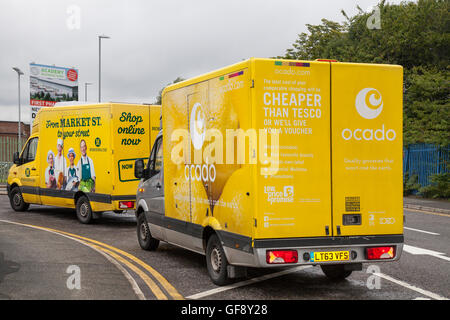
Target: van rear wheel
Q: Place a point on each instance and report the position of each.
(335, 271)
(16, 200)
(216, 261)
(84, 210)
(146, 241)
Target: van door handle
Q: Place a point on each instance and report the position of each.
(34, 169)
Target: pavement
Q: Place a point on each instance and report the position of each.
(431, 205)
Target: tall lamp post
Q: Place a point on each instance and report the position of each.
(100, 65)
(85, 89)
(19, 144)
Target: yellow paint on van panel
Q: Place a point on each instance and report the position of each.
(367, 147)
(294, 100)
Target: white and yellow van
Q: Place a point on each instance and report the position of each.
(273, 162)
(82, 157)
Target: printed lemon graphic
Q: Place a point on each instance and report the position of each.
(221, 115)
(213, 111)
(235, 201)
(188, 197)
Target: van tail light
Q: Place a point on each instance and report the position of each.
(281, 256)
(126, 204)
(380, 253)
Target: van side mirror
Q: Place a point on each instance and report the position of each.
(16, 158)
(139, 169)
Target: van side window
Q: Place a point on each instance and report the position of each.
(32, 149)
(156, 158)
(29, 152)
(159, 157)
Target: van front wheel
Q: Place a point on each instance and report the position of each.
(335, 271)
(16, 200)
(216, 261)
(84, 210)
(146, 241)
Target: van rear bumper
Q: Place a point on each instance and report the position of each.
(356, 245)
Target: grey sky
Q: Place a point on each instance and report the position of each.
(152, 42)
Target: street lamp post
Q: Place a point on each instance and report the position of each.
(19, 73)
(85, 90)
(100, 66)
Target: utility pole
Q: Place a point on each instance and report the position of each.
(19, 143)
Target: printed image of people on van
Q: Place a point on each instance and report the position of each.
(50, 178)
(60, 165)
(86, 169)
(72, 172)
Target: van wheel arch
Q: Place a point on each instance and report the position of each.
(207, 233)
(139, 211)
(77, 196)
(12, 186)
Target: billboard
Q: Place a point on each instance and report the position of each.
(51, 84)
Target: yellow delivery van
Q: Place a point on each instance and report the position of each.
(82, 157)
(273, 162)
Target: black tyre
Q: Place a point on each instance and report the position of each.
(16, 200)
(335, 271)
(84, 210)
(216, 261)
(145, 239)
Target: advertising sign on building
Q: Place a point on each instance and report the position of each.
(51, 84)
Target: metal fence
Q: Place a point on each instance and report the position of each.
(4, 169)
(8, 145)
(425, 160)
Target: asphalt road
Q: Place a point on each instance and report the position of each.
(45, 253)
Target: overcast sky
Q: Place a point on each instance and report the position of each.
(152, 42)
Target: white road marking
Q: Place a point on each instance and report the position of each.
(423, 231)
(411, 287)
(246, 282)
(420, 251)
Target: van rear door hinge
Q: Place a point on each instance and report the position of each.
(256, 224)
(253, 84)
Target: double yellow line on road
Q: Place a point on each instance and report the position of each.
(122, 256)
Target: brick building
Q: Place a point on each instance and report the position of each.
(8, 139)
(10, 129)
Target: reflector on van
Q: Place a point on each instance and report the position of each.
(378, 253)
(126, 204)
(281, 256)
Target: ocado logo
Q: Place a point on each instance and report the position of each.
(369, 104)
(369, 134)
(197, 126)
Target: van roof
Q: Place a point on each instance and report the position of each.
(239, 65)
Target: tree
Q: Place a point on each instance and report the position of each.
(414, 35)
(159, 96)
